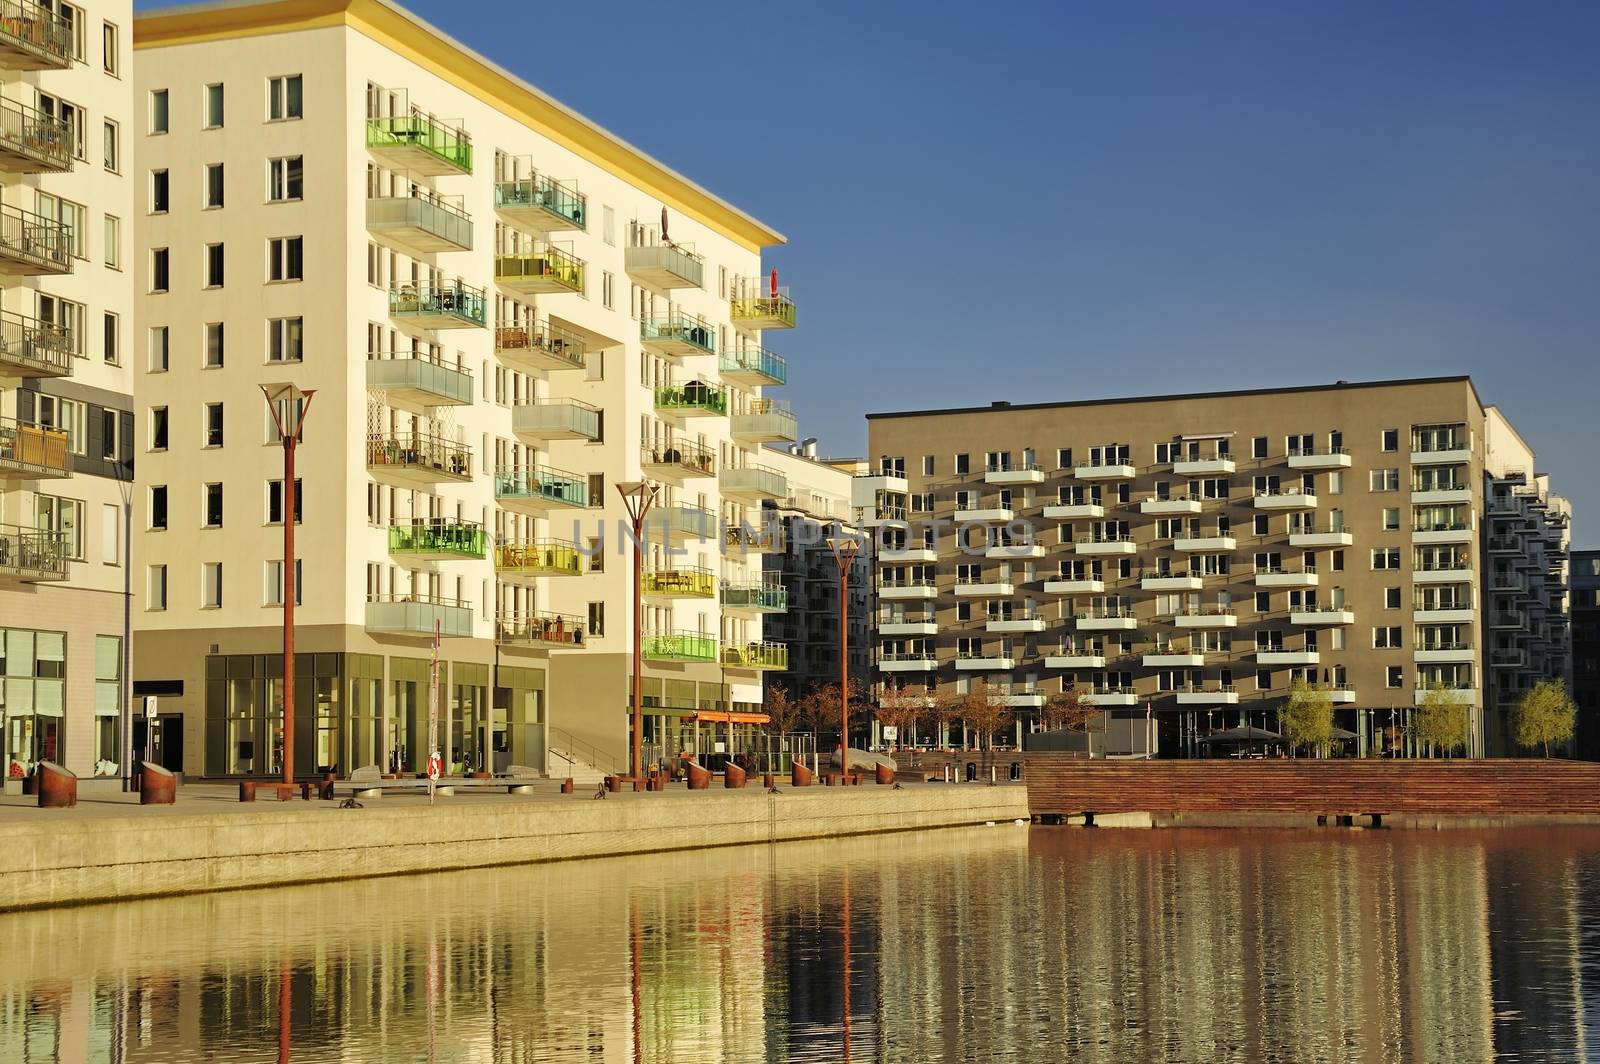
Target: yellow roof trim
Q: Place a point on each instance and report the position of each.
(402, 32)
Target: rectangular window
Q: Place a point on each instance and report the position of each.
(63, 516)
(214, 260)
(1387, 558)
(111, 147)
(1391, 598)
(156, 588)
(284, 98)
(607, 286)
(285, 259)
(1391, 439)
(158, 110)
(160, 348)
(213, 186)
(1384, 479)
(158, 428)
(71, 319)
(274, 583)
(1387, 638)
(213, 425)
(214, 351)
(108, 434)
(963, 465)
(285, 179)
(211, 501)
(1391, 518)
(111, 338)
(597, 617)
(158, 507)
(1394, 676)
(213, 116)
(285, 339)
(159, 189)
(1258, 447)
(211, 585)
(111, 55)
(275, 502)
(113, 241)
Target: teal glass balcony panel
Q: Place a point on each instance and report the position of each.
(418, 615)
(665, 266)
(33, 348)
(694, 399)
(542, 204)
(448, 306)
(680, 646)
(418, 379)
(33, 142)
(541, 488)
(679, 334)
(754, 366)
(755, 598)
(32, 245)
(33, 38)
(556, 419)
(421, 222)
(420, 144)
(437, 540)
(548, 270)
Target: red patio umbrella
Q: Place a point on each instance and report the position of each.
(774, 282)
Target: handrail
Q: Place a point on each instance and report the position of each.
(570, 744)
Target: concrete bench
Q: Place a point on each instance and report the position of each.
(449, 785)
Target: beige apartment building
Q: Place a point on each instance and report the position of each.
(66, 320)
(1182, 559)
(506, 312)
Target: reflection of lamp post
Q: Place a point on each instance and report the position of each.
(637, 498)
(288, 406)
(844, 554)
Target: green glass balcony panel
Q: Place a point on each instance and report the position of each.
(680, 646)
(540, 628)
(28, 554)
(421, 222)
(665, 266)
(557, 204)
(692, 398)
(419, 378)
(541, 484)
(679, 334)
(681, 582)
(33, 142)
(763, 312)
(764, 656)
(33, 348)
(556, 419)
(32, 244)
(32, 451)
(437, 540)
(33, 37)
(448, 306)
(755, 366)
(764, 598)
(546, 270)
(421, 144)
(540, 558)
(418, 614)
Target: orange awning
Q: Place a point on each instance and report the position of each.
(711, 716)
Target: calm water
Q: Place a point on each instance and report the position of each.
(998, 944)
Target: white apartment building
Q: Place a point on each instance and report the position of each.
(66, 317)
(505, 311)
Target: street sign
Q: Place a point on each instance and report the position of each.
(890, 733)
(150, 707)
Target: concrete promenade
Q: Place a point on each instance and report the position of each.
(110, 848)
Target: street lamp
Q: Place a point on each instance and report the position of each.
(288, 405)
(844, 554)
(637, 498)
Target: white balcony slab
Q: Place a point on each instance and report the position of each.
(995, 664)
(1074, 511)
(1288, 657)
(1019, 624)
(1087, 623)
(988, 589)
(1002, 552)
(1441, 576)
(1204, 467)
(1107, 546)
(1341, 695)
(907, 664)
(1205, 543)
(1322, 617)
(1445, 616)
(1266, 579)
(1013, 476)
(910, 554)
(1208, 698)
(1321, 539)
(1111, 698)
(1075, 661)
(1444, 535)
(1455, 456)
(1441, 497)
(1171, 583)
(1170, 506)
(1023, 701)
(1335, 460)
(1074, 587)
(893, 628)
(1453, 655)
(1465, 695)
(1174, 660)
(1119, 471)
(908, 591)
(1298, 500)
(988, 516)
(1206, 620)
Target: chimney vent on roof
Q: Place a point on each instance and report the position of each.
(1341, 382)
(999, 404)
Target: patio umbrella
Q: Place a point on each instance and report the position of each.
(664, 225)
(1243, 734)
(1340, 734)
(774, 282)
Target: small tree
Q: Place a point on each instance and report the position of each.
(1069, 709)
(1308, 716)
(1545, 715)
(946, 711)
(985, 714)
(783, 710)
(1440, 719)
(900, 708)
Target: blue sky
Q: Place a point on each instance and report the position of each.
(1100, 199)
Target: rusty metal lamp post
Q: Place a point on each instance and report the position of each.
(844, 550)
(288, 406)
(637, 498)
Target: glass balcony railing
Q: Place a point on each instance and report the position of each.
(423, 221)
(764, 597)
(763, 656)
(33, 244)
(754, 365)
(754, 480)
(32, 449)
(433, 457)
(766, 420)
(562, 204)
(539, 628)
(35, 37)
(437, 539)
(547, 557)
(680, 646)
(556, 419)
(32, 554)
(33, 142)
(548, 269)
(419, 614)
(665, 266)
(424, 144)
(694, 397)
(444, 306)
(33, 348)
(541, 483)
(681, 457)
(683, 582)
(542, 345)
(763, 311)
(679, 334)
(425, 376)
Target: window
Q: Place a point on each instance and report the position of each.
(108, 434)
(284, 179)
(285, 260)
(1258, 447)
(1386, 558)
(71, 116)
(211, 506)
(927, 465)
(1391, 518)
(160, 348)
(1336, 561)
(113, 241)
(285, 339)
(1384, 480)
(158, 507)
(211, 585)
(213, 186)
(288, 413)
(213, 107)
(158, 428)
(214, 259)
(1386, 638)
(155, 597)
(158, 192)
(1262, 525)
(111, 146)
(1391, 598)
(607, 289)
(74, 219)
(1394, 676)
(214, 345)
(1391, 439)
(275, 502)
(274, 583)
(608, 231)
(111, 341)
(284, 98)
(160, 270)
(963, 465)
(69, 317)
(62, 516)
(158, 110)
(110, 52)
(213, 425)
(1263, 679)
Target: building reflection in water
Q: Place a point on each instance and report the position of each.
(999, 944)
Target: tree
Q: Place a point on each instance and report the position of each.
(783, 710)
(1308, 716)
(1069, 709)
(820, 707)
(1440, 719)
(1545, 715)
(946, 711)
(985, 714)
(900, 708)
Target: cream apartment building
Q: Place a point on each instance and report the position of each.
(1187, 557)
(505, 312)
(66, 320)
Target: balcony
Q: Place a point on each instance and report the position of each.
(910, 589)
(904, 627)
(1105, 471)
(1333, 458)
(1447, 452)
(28, 555)
(1106, 619)
(676, 461)
(417, 459)
(33, 348)
(421, 223)
(1508, 582)
(678, 403)
(555, 419)
(876, 516)
(1442, 575)
(756, 657)
(893, 556)
(418, 614)
(665, 266)
(1285, 578)
(1440, 495)
(32, 452)
(437, 541)
(753, 483)
(1028, 473)
(1310, 536)
(522, 563)
(418, 380)
(1014, 551)
(754, 365)
(1287, 657)
(1019, 625)
(979, 661)
(1074, 511)
(547, 270)
(1206, 617)
(449, 306)
(681, 582)
(1453, 532)
(31, 141)
(1508, 659)
(1074, 587)
(775, 310)
(983, 515)
(1341, 693)
(541, 204)
(680, 646)
(1447, 613)
(33, 38)
(32, 245)
(1513, 619)
(540, 345)
(1224, 695)
(1184, 582)
(1112, 696)
(676, 525)
(1106, 545)
(915, 661)
(1285, 500)
(540, 489)
(1194, 466)
(1020, 699)
(1205, 543)
(1172, 658)
(1073, 660)
(678, 334)
(540, 630)
(740, 539)
(766, 421)
(1442, 653)
(419, 144)
(1465, 695)
(1184, 505)
(1321, 616)
(755, 598)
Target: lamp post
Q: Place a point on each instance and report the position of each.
(844, 555)
(288, 406)
(637, 498)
